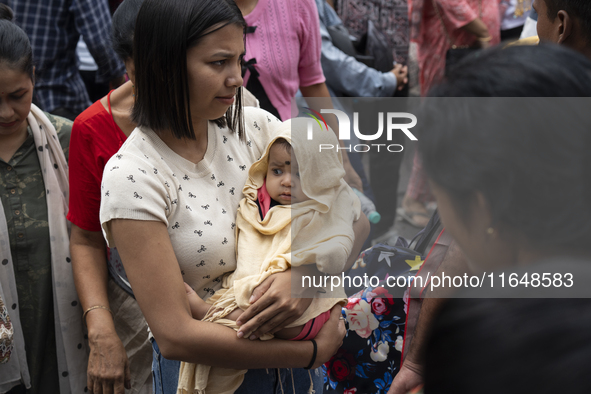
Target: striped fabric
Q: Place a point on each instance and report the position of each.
(53, 27)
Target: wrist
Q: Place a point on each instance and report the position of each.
(413, 366)
(486, 38)
(99, 322)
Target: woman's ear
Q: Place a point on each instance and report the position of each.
(33, 76)
(130, 68)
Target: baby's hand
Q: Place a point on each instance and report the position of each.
(198, 307)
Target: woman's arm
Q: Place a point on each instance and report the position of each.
(272, 306)
(108, 366)
(154, 274)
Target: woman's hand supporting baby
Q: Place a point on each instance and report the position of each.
(272, 307)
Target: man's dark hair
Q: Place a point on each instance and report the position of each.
(164, 31)
(579, 9)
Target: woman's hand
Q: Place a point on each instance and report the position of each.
(401, 74)
(272, 307)
(198, 307)
(330, 337)
(108, 366)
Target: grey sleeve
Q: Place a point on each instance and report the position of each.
(345, 75)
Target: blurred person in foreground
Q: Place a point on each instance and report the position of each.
(532, 204)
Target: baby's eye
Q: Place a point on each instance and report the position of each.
(277, 171)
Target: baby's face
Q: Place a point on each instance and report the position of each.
(281, 185)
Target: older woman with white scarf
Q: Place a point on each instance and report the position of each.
(47, 351)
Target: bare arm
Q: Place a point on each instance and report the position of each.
(410, 375)
(108, 366)
(154, 273)
(479, 29)
(361, 228)
(322, 100)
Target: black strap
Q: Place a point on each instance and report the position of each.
(313, 355)
(254, 85)
(427, 233)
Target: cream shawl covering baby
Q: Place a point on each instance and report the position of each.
(317, 231)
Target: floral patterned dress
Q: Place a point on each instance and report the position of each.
(371, 353)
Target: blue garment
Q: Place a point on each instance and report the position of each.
(165, 375)
(344, 74)
(54, 28)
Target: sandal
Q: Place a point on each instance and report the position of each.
(415, 218)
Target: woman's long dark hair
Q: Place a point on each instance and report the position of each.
(164, 31)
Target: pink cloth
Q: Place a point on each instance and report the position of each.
(264, 199)
(432, 41)
(312, 328)
(286, 45)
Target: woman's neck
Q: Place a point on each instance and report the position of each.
(10, 143)
(122, 102)
(246, 6)
(191, 150)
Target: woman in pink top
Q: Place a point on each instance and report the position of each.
(283, 55)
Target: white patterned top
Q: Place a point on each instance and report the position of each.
(146, 180)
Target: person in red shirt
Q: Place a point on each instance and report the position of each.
(97, 134)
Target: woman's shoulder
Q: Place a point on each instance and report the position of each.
(260, 126)
(63, 128)
(95, 120)
(136, 148)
